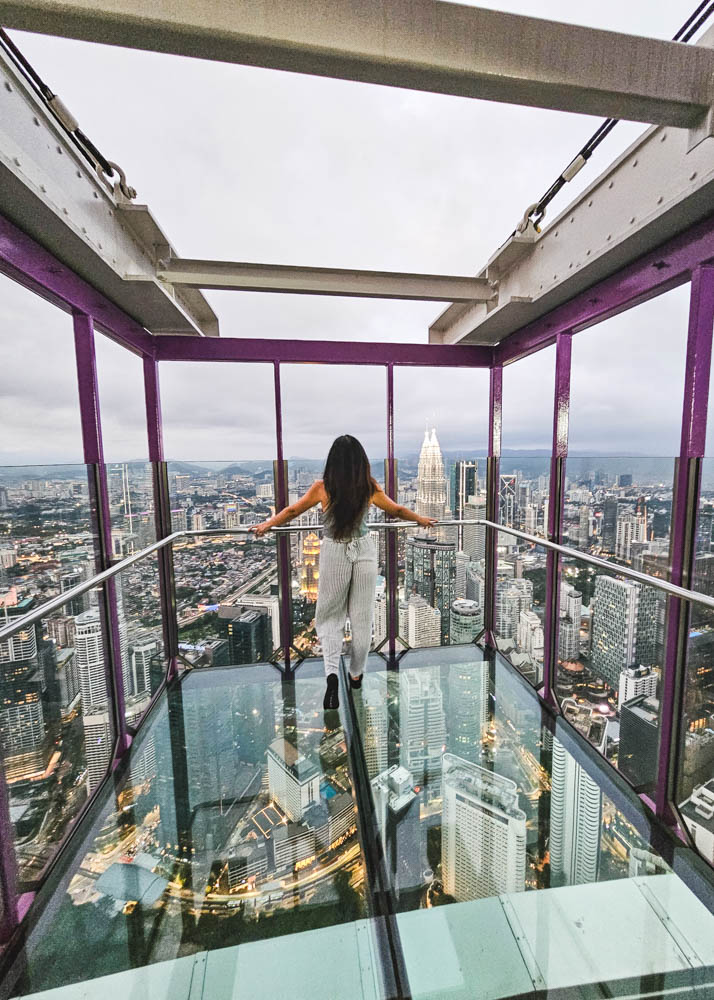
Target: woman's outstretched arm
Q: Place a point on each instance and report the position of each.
(308, 500)
(385, 503)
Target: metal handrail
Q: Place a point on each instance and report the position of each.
(612, 568)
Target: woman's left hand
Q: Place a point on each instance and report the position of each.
(261, 529)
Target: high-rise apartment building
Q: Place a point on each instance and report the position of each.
(372, 711)
(419, 622)
(630, 528)
(575, 821)
(474, 537)
(512, 597)
(624, 627)
(636, 681)
(468, 708)
(483, 832)
(396, 807)
(293, 780)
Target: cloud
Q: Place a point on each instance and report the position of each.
(247, 164)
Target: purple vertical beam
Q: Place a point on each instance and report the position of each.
(94, 456)
(495, 401)
(162, 511)
(556, 496)
(683, 540)
(391, 540)
(9, 917)
(283, 544)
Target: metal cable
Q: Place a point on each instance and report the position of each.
(65, 118)
(535, 213)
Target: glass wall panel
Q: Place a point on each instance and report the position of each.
(695, 784)
(441, 443)
(220, 466)
(627, 384)
(626, 390)
(47, 545)
(523, 497)
(321, 402)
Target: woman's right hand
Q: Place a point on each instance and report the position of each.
(426, 522)
(261, 529)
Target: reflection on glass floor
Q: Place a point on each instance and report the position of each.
(227, 860)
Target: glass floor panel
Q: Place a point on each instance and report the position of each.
(439, 837)
(233, 823)
(514, 862)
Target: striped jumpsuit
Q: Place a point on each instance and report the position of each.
(347, 583)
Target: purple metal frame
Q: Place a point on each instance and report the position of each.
(556, 498)
(685, 510)
(391, 540)
(94, 459)
(495, 423)
(283, 542)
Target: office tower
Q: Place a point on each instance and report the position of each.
(93, 687)
(584, 527)
(639, 740)
(512, 597)
(373, 715)
(67, 680)
(474, 538)
(198, 522)
(464, 484)
(609, 524)
(231, 516)
(530, 637)
(249, 635)
(571, 604)
(507, 501)
(293, 780)
(179, 519)
(624, 627)
(146, 664)
(431, 481)
(475, 583)
(630, 528)
(462, 565)
(624, 479)
(636, 681)
(466, 621)
(61, 630)
(698, 813)
(575, 821)
(310, 571)
(396, 807)
(72, 576)
(530, 519)
(422, 727)
(4, 500)
(483, 832)
(431, 573)
(468, 708)
(28, 696)
(379, 624)
(419, 623)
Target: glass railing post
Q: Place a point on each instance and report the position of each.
(280, 477)
(556, 499)
(162, 513)
(685, 507)
(99, 504)
(492, 471)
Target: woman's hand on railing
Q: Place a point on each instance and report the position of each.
(261, 529)
(426, 522)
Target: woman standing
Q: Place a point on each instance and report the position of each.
(348, 558)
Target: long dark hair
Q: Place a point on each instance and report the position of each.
(349, 486)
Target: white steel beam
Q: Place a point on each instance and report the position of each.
(324, 281)
(659, 186)
(50, 191)
(419, 44)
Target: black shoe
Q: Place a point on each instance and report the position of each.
(331, 699)
(354, 684)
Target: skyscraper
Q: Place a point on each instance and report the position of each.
(431, 481)
(575, 821)
(464, 484)
(372, 712)
(419, 623)
(609, 524)
(508, 501)
(468, 708)
(512, 597)
(466, 621)
(249, 635)
(422, 726)
(293, 780)
(636, 681)
(474, 537)
(310, 571)
(396, 807)
(431, 573)
(483, 832)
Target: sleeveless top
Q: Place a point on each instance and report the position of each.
(359, 532)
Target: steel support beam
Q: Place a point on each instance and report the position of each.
(657, 189)
(495, 407)
(324, 281)
(419, 44)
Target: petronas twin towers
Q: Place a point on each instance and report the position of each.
(431, 481)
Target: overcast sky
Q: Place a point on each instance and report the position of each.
(247, 164)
